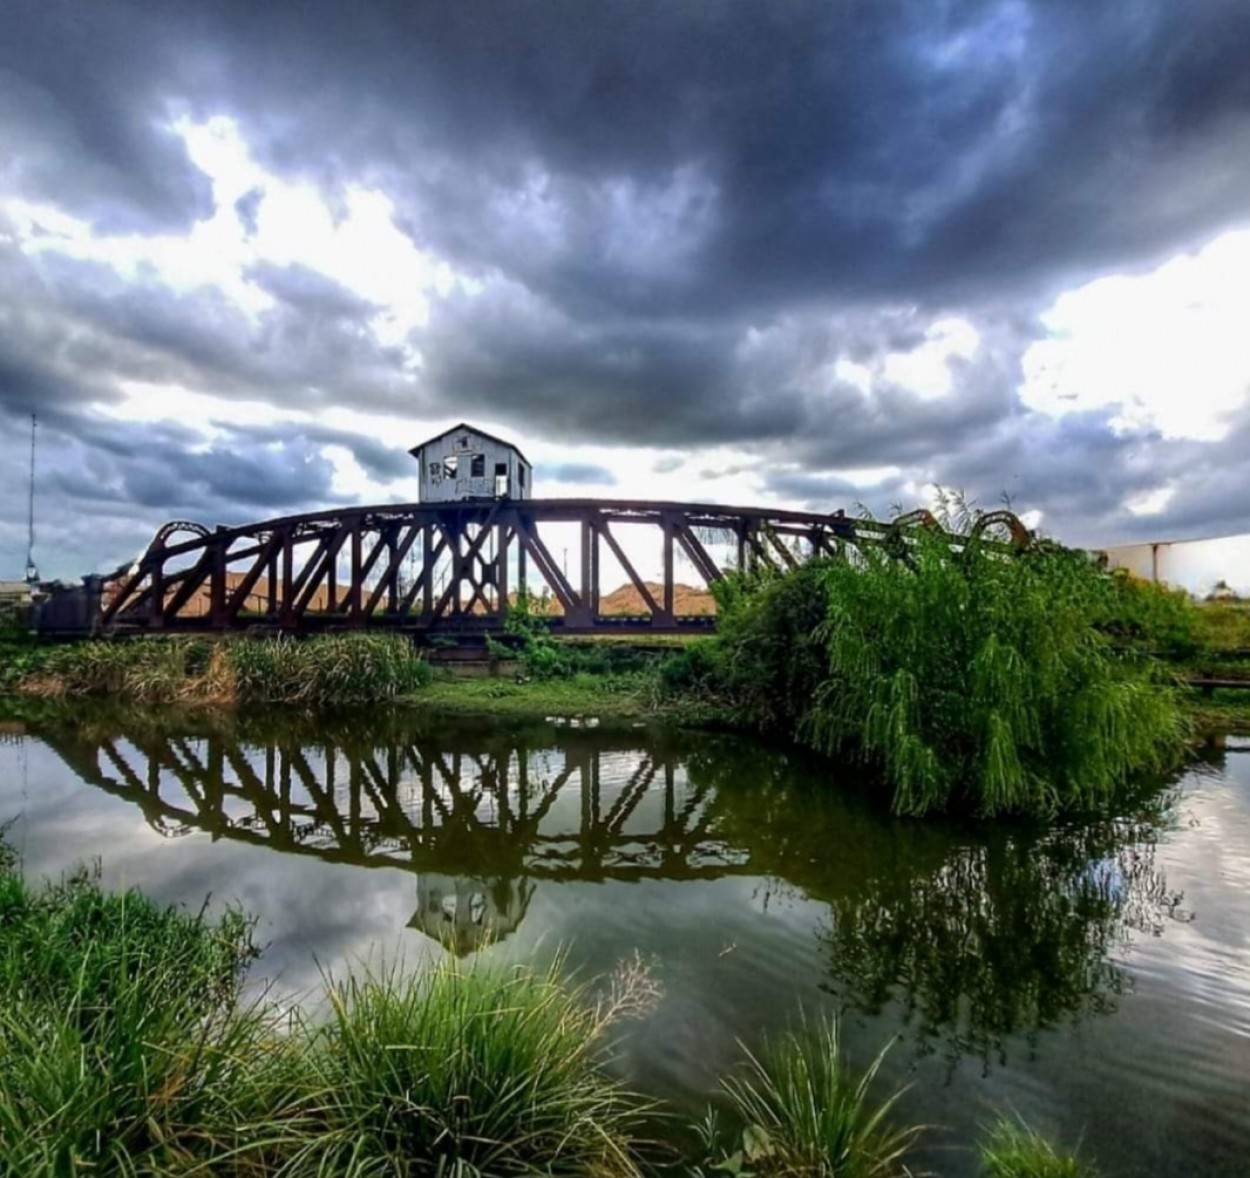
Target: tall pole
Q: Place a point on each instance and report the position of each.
(32, 573)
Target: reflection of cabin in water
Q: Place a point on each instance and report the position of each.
(468, 463)
(465, 915)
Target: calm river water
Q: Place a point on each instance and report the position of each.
(1094, 978)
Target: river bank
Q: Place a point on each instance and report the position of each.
(183, 671)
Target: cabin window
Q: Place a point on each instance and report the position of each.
(450, 465)
(520, 477)
(501, 468)
(477, 468)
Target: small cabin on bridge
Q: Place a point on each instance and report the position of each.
(468, 463)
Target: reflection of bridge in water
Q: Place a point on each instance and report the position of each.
(479, 825)
(978, 932)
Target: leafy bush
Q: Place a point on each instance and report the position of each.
(1151, 617)
(528, 638)
(966, 678)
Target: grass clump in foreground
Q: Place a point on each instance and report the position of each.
(967, 679)
(804, 1114)
(121, 1030)
(471, 1072)
(1013, 1150)
(125, 1048)
(322, 671)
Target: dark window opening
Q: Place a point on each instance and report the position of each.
(501, 468)
(477, 469)
(520, 477)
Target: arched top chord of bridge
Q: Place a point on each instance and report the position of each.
(456, 567)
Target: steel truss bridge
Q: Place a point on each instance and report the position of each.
(456, 567)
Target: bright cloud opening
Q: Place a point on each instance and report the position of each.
(1168, 350)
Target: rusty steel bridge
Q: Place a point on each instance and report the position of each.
(455, 568)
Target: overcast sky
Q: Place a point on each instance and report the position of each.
(803, 254)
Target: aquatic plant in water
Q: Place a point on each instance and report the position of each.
(805, 1114)
(1012, 1150)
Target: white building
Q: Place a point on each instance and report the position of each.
(468, 463)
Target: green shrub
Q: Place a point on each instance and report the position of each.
(964, 677)
(1147, 616)
(528, 638)
(804, 1114)
(1013, 1150)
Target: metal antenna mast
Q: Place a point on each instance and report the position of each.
(32, 573)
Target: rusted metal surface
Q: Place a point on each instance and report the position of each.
(454, 568)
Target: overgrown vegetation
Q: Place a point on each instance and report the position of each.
(121, 1030)
(318, 672)
(966, 679)
(528, 639)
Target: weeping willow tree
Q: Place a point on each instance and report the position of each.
(967, 678)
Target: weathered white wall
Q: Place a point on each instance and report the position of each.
(1194, 565)
(463, 445)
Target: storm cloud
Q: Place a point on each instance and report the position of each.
(821, 238)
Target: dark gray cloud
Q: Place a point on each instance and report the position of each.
(677, 217)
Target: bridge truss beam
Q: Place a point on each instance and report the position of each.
(455, 567)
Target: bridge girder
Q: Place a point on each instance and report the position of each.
(452, 567)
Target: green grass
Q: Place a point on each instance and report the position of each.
(466, 1072)
(805, 1114)
(619, 696)
(1012, 1150)
(121, 1030)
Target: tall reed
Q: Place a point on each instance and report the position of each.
(323, 671)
